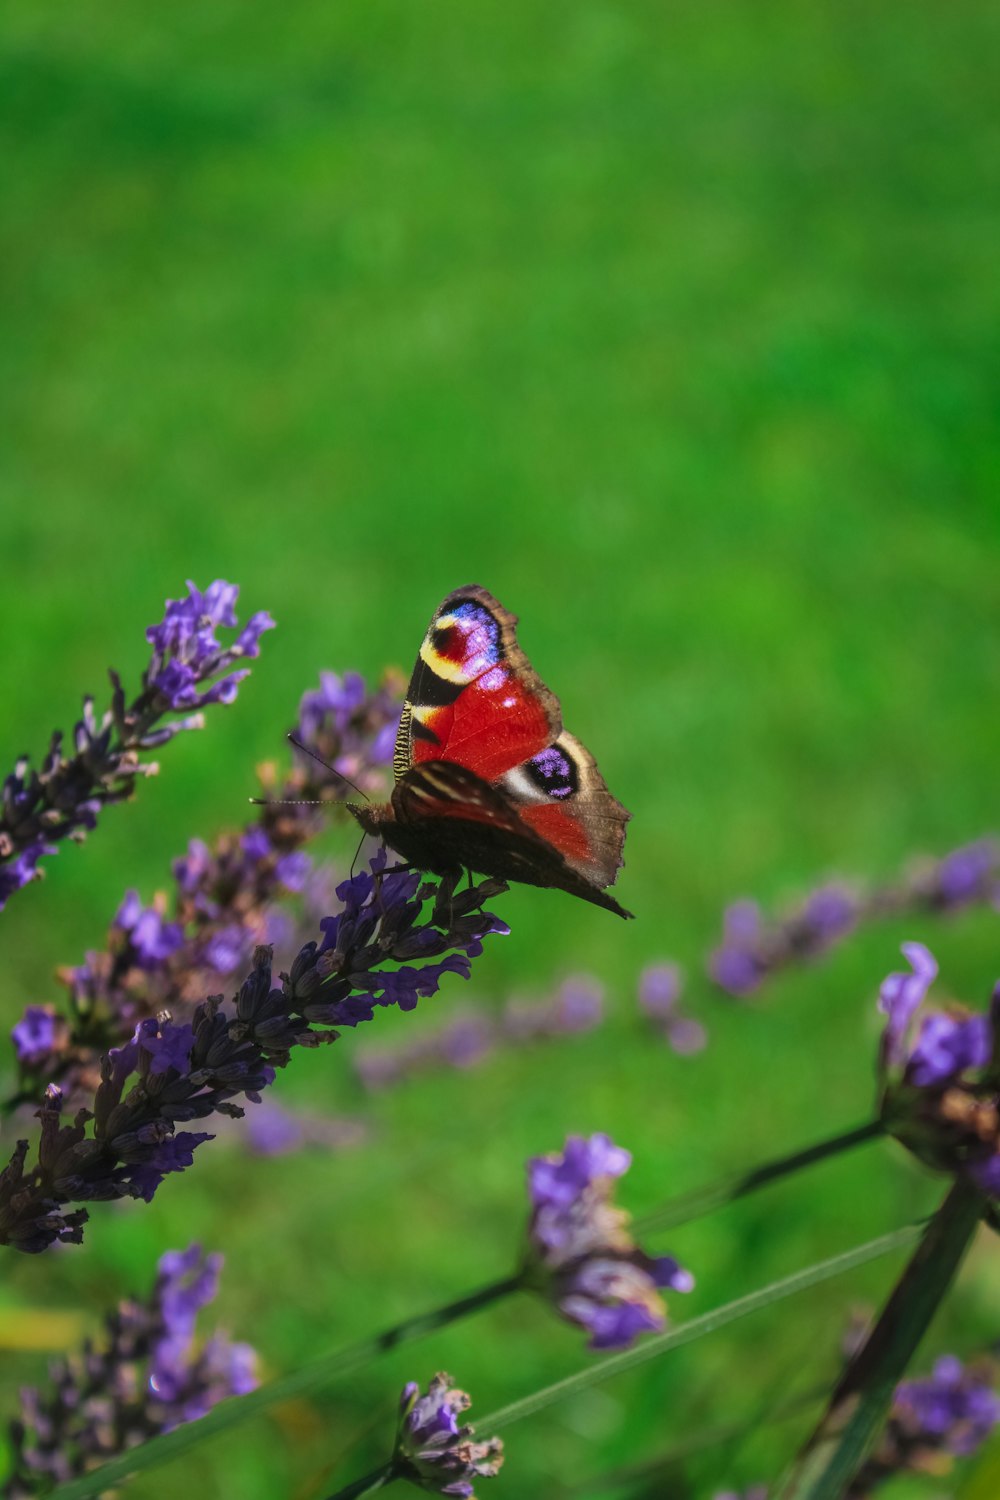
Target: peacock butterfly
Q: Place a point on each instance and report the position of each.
(486, 777)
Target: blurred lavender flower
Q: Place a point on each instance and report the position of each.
(580, 1254)
(964, 877)
(939, 1088)
(63, 798)
(152, 939)
(471, 1036)
(36, 1034)
(576, 1006)
(753, 947)
(660, 987)
(274, 1131)
(433, 1450)
(350, 728)
(954, 1406)
(755, 1492)
(933, 1421)
(223, 908)
(736, 965)
(146, 1374)
(169, 1073)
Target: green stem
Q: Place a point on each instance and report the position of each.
(835, 1452)
(665, 1463)
(696, 1328)
(299, 1383)
(369, 1484)
(340, 1362)
(703, 1200)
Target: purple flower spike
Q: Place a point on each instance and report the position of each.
(955, 1405)
(737, 965)
(64, 797)
(901, 995)
(22, 870)
(660, 988)
(351, 728)
(753, 948)
(947, 1046)
(939, 1091)
(433, 1449)
(152, 940)
(37, 1035)
(556, 1182)
(382, 948)
(146, 1373)
(966, 875)
(933, 1421)
(580, 1254)
(187, 652)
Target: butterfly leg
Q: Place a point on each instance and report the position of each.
(380, 876)
(443, 913)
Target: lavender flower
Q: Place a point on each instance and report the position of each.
(433, 1450)
(351, 729)
(170, 1074)
(939, 1087)
(471, 1036)
(967, 875)
(152, 939)
(223, 907)
(955, 1406)
(580, 1254)
(576, 1006)
(901, 995)
(755, 1492)
(751, 949)
(660, 988)
(754, 947)
(144, 1375)
(37, 1034)
(933, 1421)
(738, 964)
(63, 798)
(274, 1131)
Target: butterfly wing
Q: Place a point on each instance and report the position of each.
(447, 818)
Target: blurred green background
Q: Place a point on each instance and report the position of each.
(675, 327)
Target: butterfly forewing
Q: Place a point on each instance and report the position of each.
(474, 697)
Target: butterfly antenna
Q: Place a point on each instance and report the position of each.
(308, 801)
(356, 853)
(326, 764)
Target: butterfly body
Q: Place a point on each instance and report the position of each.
(487, 779)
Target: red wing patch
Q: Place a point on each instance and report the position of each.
(493, 726)
(561, 828)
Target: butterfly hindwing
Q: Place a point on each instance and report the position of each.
(448, 819)
(569, 805)
(486, 777)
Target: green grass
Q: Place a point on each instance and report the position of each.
(675, 328)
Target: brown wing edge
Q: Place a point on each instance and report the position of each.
(603, 815)
(512, 651)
